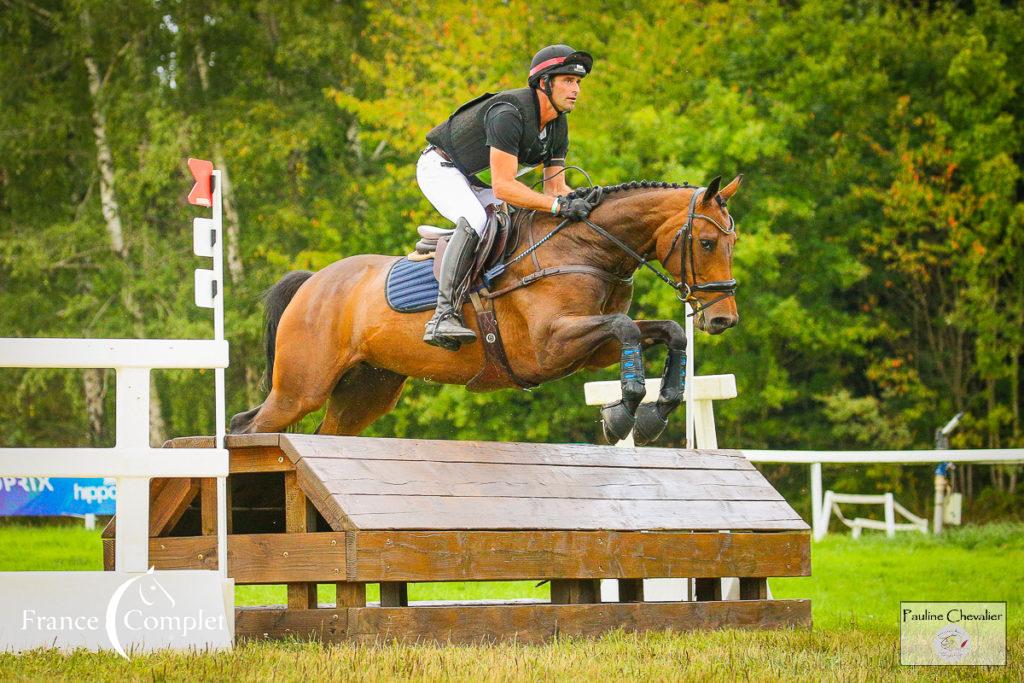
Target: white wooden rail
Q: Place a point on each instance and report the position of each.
(131, 461)
(890, 509)
(90, 600)
(819, 513)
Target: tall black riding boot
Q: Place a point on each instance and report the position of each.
(446, 328)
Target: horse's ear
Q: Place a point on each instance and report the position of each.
(729, 190)
(712, 190)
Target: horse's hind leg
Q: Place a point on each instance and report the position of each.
(300, 387)
(362, 395)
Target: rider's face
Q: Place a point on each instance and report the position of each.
(565, 88)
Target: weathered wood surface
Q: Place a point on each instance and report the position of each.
(418, 556)
(575, 591)
(394, 594)
(503, 555)
(169, 498)
(441, 512)
(300, 518)
(255, 558)
(364, 483)
(352, 477)
(523, 623)
(306, 446)
(753, 588)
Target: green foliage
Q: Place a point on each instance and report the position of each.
(881, 219)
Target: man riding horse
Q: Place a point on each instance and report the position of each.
(498, 138)
(334, 339)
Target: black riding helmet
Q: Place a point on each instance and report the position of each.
(554, 60)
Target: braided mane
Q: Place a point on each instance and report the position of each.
(631, 185)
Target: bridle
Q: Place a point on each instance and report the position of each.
(686, 291)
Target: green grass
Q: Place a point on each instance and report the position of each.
(856, 588)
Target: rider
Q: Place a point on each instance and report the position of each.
(497, 138)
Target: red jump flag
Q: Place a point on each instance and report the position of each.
(202, 191)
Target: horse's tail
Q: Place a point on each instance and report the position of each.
(275, 300)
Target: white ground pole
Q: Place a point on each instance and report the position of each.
(133, 463)
(820, 514)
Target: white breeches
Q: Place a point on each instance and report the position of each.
(450, 192)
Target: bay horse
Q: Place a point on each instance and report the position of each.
(332, 337)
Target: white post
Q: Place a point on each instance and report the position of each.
(218, 374)
(817, 512)
(131, 552)
(890, 516)
(691, 363)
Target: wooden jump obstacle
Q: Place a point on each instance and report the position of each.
(309, 510)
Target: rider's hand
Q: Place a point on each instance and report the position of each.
(574, 209)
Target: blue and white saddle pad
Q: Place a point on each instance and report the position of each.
(411, 286)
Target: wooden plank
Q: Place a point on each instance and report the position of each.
(299, 517)
(259, 459)
(255, 558)
(505, 555)
(631, 590)
(416, 478)
(444, 512)
(208, 506)
(753, 588)
(231, 441)
(108, 554)
(190, 442)
(168, 501)
(321, 498)
(348, 594)
(305, 446)
(707, 589)
(394, 594)
(520, 623)
(575, 591)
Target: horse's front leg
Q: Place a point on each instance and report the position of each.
(652, 418)
(575, 336)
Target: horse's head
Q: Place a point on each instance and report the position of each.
(696, 246)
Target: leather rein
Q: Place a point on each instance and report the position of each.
(684, 236)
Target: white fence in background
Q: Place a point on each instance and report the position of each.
(815, 459)
(84, 605)
(890, 508)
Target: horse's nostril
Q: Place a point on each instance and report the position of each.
(723, 322)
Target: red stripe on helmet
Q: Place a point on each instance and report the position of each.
(545, 64)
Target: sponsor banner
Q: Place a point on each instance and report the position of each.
(119, 611)
(962, 633)
(52, 497)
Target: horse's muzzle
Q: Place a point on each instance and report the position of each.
(720, 323)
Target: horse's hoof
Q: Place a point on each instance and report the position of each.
(617, 421)
(649, 424)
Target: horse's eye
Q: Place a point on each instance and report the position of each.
(708, 245)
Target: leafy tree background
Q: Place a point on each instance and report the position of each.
(881, 214)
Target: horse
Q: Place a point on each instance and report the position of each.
(331, 336)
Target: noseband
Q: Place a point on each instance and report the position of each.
(686, 291)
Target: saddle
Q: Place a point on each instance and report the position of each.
(496, 243)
